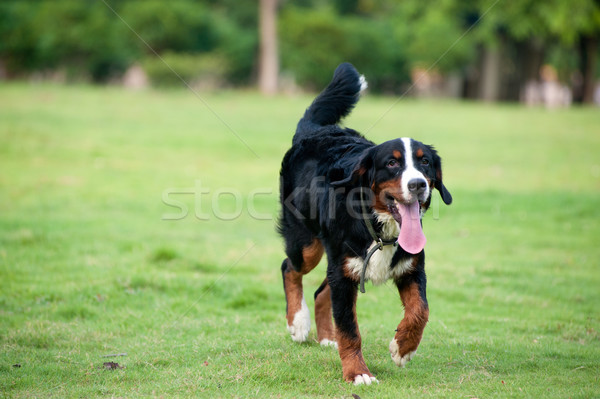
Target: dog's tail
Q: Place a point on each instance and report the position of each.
(334, 103)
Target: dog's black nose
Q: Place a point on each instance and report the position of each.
(417, 186)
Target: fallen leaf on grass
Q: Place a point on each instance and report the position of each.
(206, 363)
(112, 366)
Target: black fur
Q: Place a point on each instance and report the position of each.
(332, 104)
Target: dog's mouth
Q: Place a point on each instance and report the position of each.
(408, 216)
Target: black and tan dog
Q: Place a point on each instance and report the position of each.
(362, 205)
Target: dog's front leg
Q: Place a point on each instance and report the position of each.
(343, 300)
(416, 313)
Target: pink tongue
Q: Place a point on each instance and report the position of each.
(411, 237)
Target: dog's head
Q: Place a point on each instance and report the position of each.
(401, 175)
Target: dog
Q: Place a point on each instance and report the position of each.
(362, 205)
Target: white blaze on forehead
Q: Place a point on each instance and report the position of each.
(410, 172)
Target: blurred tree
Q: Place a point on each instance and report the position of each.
(346, 6)
(269, 56)
(536, 28)
(78, 36)
(315, 41)
(237, 23)
(175, 25)
(385, 39)
(433, 36)
(87, 39)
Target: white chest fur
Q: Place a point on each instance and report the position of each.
(380, 267)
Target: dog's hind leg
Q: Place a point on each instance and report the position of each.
(325, 329)
(297, 313)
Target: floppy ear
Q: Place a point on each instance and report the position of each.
(362, 173)
(438, 184)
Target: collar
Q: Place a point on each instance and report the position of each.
(380, 242)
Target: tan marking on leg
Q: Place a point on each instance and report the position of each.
(353, 363)
(350, 350)
(311, 256)
(410, 329)
(323, 317)
(293, 293)
(297, 315)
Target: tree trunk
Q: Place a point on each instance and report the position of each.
(490, 74)
(269, 60)
(530, 58)
(589, 57)
(531, 55)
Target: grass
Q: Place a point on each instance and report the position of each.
(93, 261)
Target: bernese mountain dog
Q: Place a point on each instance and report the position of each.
(361, 204)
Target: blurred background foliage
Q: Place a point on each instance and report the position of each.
(87, 40)
(488, 48)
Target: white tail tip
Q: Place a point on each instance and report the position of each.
(363, 83)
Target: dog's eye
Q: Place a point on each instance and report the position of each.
(424, 161)
(392, 163)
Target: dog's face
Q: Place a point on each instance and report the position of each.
(404, 171)
(400, 170)
(401, 175)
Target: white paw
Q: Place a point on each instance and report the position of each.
(301, 324)
(400, 360)
(326, 342)
(364, 379)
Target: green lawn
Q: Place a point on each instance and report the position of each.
(93, 261)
